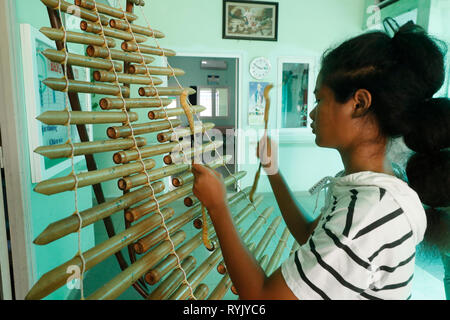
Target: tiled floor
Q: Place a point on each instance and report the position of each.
(427, 282)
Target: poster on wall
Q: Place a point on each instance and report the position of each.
(256, 103)
(41, 98)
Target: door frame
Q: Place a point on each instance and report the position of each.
(238, 97)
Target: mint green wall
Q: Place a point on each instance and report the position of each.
(47, 209)
(306, 28)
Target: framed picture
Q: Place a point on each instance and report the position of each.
(295, 98)
(256, 103)
(250, 20)
(41, 98)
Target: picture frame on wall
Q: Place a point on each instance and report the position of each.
(41, 98)
(256, 103)
(250, 20)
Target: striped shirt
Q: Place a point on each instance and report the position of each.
(364, 245)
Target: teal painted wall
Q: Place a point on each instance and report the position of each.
(47, 209)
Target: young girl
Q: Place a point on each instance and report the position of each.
(370, 89)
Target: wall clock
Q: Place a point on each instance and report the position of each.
(260, 67)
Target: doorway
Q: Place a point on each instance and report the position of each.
(215, 80)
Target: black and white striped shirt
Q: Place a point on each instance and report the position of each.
(364, 245)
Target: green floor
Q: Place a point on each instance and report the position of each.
(427, 282)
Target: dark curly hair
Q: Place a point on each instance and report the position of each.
(402, 73)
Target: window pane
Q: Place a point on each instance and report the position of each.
(205, 99)
(221, 102)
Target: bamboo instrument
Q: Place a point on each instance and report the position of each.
(267, 236)
(155, 126)
(123, 25)
(105, 76)
(100, 52)
(168, 91)
(186, 177)
(130, 46)
(257, 224)
(137, 180)
(178, 157)
(65, 150)
(103, 8)
(130, 155)
(295, 247)
(183, 132)
(91, 27)
(173, 280)
(63, 227)
(221, 288)
(278, 252)
(200, 292)
(115, 103)
(75, 10)
(126, 278)
(82, 61)
(58, 276)
(162, 71)
(85, 87)
(197, 276)
(84, 117)
(154, 275)
(172, 112)
(76, 37)
(89, 178)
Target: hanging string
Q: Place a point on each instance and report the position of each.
(72, 156)
(136, 147)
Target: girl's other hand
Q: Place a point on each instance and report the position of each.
(267, 152)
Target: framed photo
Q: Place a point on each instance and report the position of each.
(295, 99)
(41, 98)
(250, 20)
(256, 103)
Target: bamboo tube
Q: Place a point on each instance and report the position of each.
(103, 8)
(189, 177)
(162, 71)
(221, 288)
(115, 103)
(278, 252)
(200, 292)
(85, 87)
(178, 157)
(75, 10)
(105, 76)
(173, 280)
(89, 178)
(172, 112)
(65, 150)
(168, 91)
(197, 276)
(82, 61)
(126, 278)
(100, 52)
(84, 117)
(183, 132)
(123, 25)
(155, 126)
(295, 247)
(130, 46)
(154, 275)
(137, 180)
(110, 32)
(57, 277)
(262, 245)
(257, 224)
(150, 151)
(63, 227)
(76, 37)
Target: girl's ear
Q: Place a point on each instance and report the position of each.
(362, 100)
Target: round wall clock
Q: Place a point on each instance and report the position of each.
(260, 67)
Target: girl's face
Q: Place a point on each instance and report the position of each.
(332, 121)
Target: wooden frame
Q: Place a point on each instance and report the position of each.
(259, 21)
(40, 134)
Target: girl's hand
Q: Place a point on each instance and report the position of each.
(209, 187)
(267, 152)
